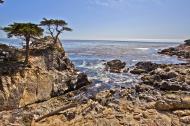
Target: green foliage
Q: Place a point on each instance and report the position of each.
(23, 30)
(47, 22)
(187, 42)
(55, 27)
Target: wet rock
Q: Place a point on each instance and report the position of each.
(168, 75)
(148, 80)
(169, 86)
(115, 66)
(182, 51)
(80, 81)
(137, 71)
(147, 66)
(144, 67)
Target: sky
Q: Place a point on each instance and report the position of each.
(106, 19)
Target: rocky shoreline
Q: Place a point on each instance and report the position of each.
(162, 97)
(181, 51)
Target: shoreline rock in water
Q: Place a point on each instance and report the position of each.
(143, 67)
(115, 66)
(181, 51)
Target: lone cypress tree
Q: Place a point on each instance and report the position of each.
(25, 31)
(55, 27)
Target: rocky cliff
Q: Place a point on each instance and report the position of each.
(50, 73)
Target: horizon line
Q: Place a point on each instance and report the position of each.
(119, 40)
(122, 40)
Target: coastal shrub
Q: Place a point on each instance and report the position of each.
(187, 42)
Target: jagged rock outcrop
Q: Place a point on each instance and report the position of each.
(144, 67)
(50, 73)
(181, 51)
(115, 66)
(8, 53)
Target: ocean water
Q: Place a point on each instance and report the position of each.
(89, 57)
(129, 51)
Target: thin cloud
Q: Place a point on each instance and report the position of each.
(108, 3)
(113, 3)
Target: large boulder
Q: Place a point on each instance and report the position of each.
(144, 67)
(115, 66)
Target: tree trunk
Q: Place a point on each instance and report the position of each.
(27, 50)
(57, 42)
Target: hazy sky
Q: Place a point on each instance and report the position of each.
(106, 19)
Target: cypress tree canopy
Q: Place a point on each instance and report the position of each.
(23, 30)
(55, 27)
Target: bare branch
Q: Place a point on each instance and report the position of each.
(57, 111)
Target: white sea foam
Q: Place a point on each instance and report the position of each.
(144, 49)
(98, 85)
